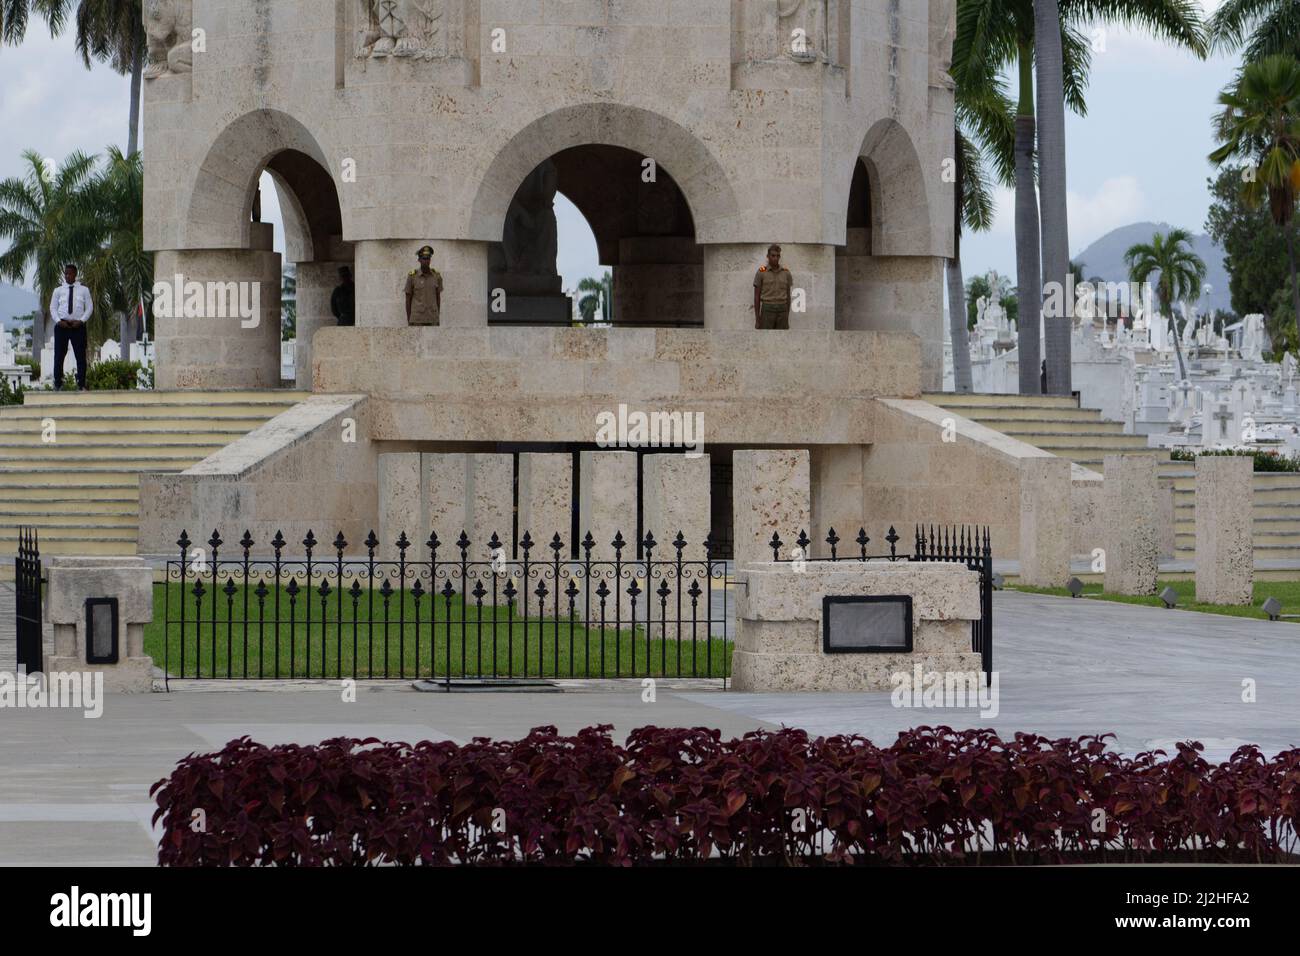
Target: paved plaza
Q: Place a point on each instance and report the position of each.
(75, 791)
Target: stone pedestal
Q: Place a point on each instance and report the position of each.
(770, 491)
(779, 636)
(676, 497)
(546, 498)
(444, 499)
(74, 580)
(729, 284)
(399, 505)
(1131, 536)
(607, 494)
(491, 487)
(1045, 533)
(219, 347)
(1225, 548)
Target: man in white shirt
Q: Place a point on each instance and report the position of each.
(70, 308)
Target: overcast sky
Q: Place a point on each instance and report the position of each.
(1140, 154)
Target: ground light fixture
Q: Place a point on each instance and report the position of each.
(1076, 587)
(999, 582)
(1169, 596)
(1272, 607)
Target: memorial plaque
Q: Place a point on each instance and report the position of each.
(867, 625)
(101, 631)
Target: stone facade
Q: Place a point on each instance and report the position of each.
(690, 136)
(772, 495)
(1225, 550)
(1132, 538)
(676, 499)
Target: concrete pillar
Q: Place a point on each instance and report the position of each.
(399, 504)
(659, 281)
(1045, 523)
(770, 491)
(729, 270)
(211, 344)
(316, 284)
(677, 498)
(1225, 547)
(546, 497)
(382, 266)
(72, 581)
(1130, 515)
(893, 294)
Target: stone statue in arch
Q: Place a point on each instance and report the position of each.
(402, 28)
(531, 239)
(169, 28)
(806, 26)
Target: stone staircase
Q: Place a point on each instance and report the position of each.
(81, 490)
(1276, 516)
(1056, 424)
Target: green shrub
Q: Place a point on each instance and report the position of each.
(1265, 460)
(10, 396)
(117, 375)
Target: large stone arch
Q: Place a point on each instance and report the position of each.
(698, 174)
(217, 215)
(900, 204)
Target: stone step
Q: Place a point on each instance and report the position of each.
(80, 519)
(61, 477)
(75, 542)
(136, 399)
(109, 455)
(1019, 426)
(1185, 510)
(125, 432)
(52, 504)
(1034, 415)
(973, 399)
(1051, 441)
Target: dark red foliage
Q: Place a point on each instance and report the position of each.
(934, 796)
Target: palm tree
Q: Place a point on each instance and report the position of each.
(1261, 121)
(120, 272)
(44, 217)
(1054, 223)
(1181, 273)
(599, 295)
(1264, 27)
(112, 32)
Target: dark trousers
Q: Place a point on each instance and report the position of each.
(77, 339)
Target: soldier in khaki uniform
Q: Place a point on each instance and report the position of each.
(772, 285)
(424, 291)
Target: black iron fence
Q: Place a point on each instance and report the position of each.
(445, 612)
(961, 544)
(27, 601)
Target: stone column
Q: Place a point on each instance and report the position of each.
(491, 497)
(770, 491)
(677, 498)
(71, 581)
(893, 294)
(316, 284)
(546, 498)
(1045, 534)
(729, 270)
(837, 497)
(444, 499)
(219, 347)
(399, 504)
(1225, 547)
(607, 494)
(1131, 536)
(382, 266)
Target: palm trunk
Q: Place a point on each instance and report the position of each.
(38, 328)
(961, 378)
(1052, 187)
(1029, 288)
(1167, 307)
(137, 71)
(1295, 289)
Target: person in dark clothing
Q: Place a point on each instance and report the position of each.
(71, 308)
(1044, 376)
(343, 303)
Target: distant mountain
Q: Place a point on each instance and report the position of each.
(1105, 258)
(13, 302)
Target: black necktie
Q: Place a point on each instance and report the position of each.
(70, 291)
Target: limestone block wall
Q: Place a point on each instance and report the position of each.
(1225, 548)
(897, 294)
(550, 385)
(296, 473)
(779, 624)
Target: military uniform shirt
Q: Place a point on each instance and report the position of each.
(424, 290)
(773, 286)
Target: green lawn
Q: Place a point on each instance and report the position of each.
(1288, 592)
(349, 645)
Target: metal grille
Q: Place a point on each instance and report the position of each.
(27, 601)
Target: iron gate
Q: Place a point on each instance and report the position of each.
(27, 601)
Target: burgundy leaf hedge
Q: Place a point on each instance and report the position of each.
(936, 795)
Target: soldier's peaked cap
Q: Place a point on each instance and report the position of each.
(425, 251)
